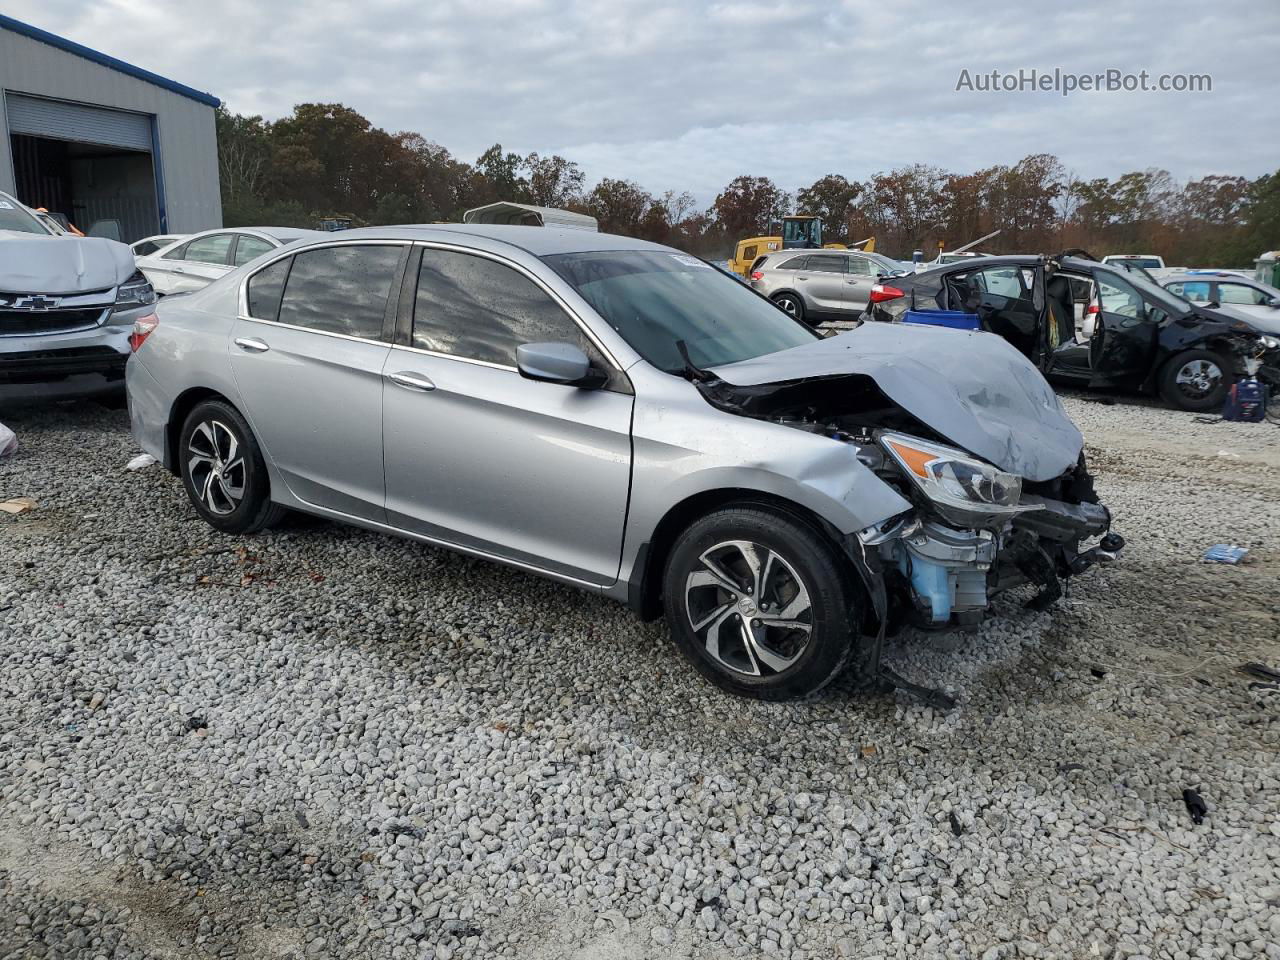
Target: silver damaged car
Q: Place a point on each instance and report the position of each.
(623, 417)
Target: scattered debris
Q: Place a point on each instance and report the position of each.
(8, 441)
(1195, 805)
(1068, 767)
(97, 700)
(301, 817)
(957, 827)
(140, 462)
(1260, 670)
(18, 505)
(195, 723)
(868, 749)
(1228, 454)
(1225, 553)
(1098, 672)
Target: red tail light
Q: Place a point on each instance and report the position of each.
(757, 275)
(1092, 309)
(881, 292)
(142, 328)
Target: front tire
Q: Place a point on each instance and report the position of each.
(1196, 381)
(223, 470)
(760, 603)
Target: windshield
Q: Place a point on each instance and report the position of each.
(1167, 300)
(892, 266)
(655, 299)
(14, 217)
(1148, 263)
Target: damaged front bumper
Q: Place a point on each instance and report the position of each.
(937, 575)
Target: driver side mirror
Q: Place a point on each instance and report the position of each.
(558, 363)
(1273, 301)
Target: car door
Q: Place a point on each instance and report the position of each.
(1005, 299)
(1124, 336)
(480, 457)
(861, 275)
(821, 282)
(308, 356)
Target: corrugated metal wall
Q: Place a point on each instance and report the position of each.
(187, 152)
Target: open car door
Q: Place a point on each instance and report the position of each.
(1123, 346)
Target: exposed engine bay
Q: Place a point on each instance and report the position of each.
(993, 467)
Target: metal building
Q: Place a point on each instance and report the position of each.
(100, 140)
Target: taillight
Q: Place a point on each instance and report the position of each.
(757, 275)
(881, 292)
(1093, 309)
(142, 328)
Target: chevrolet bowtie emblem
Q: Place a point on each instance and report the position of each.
(35, 303)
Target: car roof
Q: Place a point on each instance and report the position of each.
(539, 241)
(1184, 275)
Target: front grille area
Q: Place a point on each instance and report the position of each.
(19, 323)
(39, 366)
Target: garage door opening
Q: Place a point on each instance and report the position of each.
(91, 164)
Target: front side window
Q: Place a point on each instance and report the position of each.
(211, 249)
(1240, 293)
(341, 289)
(1119, 298)
(249, 248)
(658, 299)
(475, 308)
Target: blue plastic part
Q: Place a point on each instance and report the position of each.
(931, 580)
(954, 319)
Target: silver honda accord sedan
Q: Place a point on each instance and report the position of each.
(623, 417)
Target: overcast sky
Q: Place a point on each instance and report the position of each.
(686, 95)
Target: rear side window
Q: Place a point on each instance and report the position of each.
(478, 309)
(341, 289)
(827, 263)
(266, 287)
(247, 248)
(212, 249)
(862, 267)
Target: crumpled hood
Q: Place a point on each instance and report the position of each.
(61, 265)
(971, 387)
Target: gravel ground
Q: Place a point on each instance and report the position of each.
(322, 742)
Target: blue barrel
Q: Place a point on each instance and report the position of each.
(954, 319)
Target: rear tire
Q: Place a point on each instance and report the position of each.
(760, 603)
(791, 305)
(223, 471)
(1196, 381)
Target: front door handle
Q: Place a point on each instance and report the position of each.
(802, 278)
(252, 344)
(179, 270)
(411, 381)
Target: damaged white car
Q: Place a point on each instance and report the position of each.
(68, 305)
(621, 416)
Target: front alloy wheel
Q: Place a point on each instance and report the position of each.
(1195, 380)
(760, 601)
(749, 608)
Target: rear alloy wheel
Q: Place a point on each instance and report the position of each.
(1195, 380)
(223, 471)
(759, 602)
(791, 305)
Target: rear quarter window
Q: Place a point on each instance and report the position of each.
(342, 290)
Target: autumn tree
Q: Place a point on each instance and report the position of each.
(831, 198)
(620, 206)
(553, 181)
(748, 206)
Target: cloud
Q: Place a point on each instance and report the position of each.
(681, 95)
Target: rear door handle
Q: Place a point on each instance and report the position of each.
(802, 278)
(411, 381)
(252, 344)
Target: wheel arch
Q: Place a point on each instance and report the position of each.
(644, 586)
(182, 405)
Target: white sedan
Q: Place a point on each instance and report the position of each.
(198, 260)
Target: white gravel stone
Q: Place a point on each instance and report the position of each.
(325, 742)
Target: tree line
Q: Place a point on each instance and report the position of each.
(326, 160)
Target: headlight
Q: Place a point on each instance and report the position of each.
(964, 490)
(135, 292)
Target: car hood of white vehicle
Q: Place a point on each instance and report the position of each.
(61, 265)
(973, 388)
